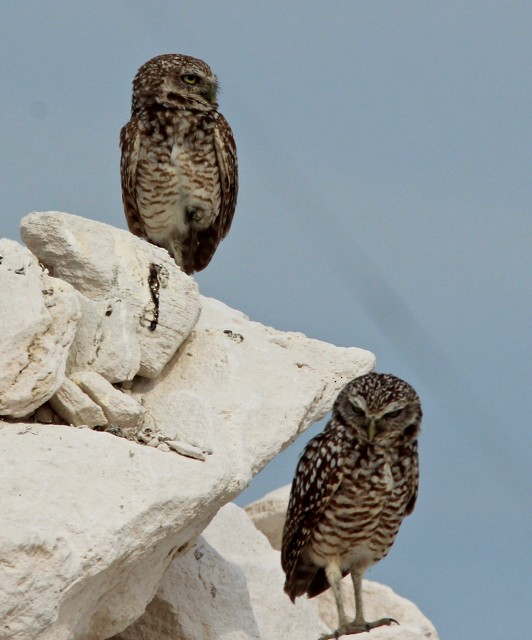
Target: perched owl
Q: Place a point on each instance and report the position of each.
(354, 484)
(179, 167)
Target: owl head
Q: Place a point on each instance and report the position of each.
(174, 81)
(380, 408)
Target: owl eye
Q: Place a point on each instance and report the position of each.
(357, 410)
(393, 414)
(190, 78)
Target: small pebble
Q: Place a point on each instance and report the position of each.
(186, 450)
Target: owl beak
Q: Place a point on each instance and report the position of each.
(372, 430)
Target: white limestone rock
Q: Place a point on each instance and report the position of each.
(120, 410)
(230, 587)
(38, 316)
(76, 407)
(244, 390)
(106, 264)
(106, 340)
(268, 514)
(95, 520)
(91, 523)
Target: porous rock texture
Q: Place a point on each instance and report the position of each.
(92, 521)
(268, 514)
(229, 587)
(115, 267)
(38, 317)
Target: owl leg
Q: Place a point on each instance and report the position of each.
(359, 624)
(334, 577)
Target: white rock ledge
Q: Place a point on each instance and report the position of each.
(110, 265)
(38, 316)
(94, 520)
(95, 527)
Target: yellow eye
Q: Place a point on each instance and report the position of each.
(189, 78)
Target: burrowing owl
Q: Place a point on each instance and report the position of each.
(354, 484)
(179, 167)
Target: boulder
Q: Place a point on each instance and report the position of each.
(38, 317)
(106, 341)
(379, 602)
(268, 514)
(113, 266)
(95, 520)
(244, 390)
(229, 587)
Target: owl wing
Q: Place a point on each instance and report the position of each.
(414, 479)
(318, 476)
(207, 240)
(129, 146)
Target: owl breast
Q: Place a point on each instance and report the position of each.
(361, 521)
(178, 186)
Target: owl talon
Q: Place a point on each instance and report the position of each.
(352, 628)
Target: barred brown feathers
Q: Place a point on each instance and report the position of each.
(354, 484)
(179, 166)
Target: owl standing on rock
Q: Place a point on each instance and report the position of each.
(354, 484)
(179, 166)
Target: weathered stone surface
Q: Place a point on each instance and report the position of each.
(268, 514)
(38, 316)
(105, 264)
(95, 520)
(120, 409)
(91, 523)
(230, 587)
(76, 407)
(244, 390)
(106, 340)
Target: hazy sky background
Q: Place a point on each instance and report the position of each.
(385, 202)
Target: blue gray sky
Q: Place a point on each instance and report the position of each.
(385, 203)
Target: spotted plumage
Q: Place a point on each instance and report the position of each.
(354, 484)
(179, 166)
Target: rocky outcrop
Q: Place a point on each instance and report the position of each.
(38, 319)
(95, 520)
(100, 534)
(268, 514)
(136, 283)
(229, 587)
